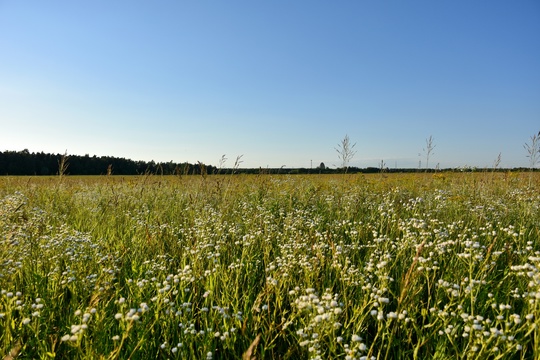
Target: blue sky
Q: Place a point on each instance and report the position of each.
(279, 82)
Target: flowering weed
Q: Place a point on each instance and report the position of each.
(354, 267)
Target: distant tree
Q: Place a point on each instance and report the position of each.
(322, 166)
(345, 152)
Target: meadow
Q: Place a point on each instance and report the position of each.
(416, 266)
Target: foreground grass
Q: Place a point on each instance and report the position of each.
(351, 267)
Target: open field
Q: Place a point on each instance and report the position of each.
(322, 266)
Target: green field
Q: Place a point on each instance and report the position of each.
(442, 266)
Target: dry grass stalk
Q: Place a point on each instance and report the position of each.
(249, 354)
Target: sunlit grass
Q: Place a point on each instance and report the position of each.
(339, 266)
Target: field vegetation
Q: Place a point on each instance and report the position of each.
(350, 266)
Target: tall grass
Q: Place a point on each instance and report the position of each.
(351, 266)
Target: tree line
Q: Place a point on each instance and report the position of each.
(40, 163)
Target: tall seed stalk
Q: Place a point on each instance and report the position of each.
(345, 152)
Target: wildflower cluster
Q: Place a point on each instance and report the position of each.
(352, 267)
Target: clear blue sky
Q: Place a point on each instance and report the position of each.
(279, 82)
